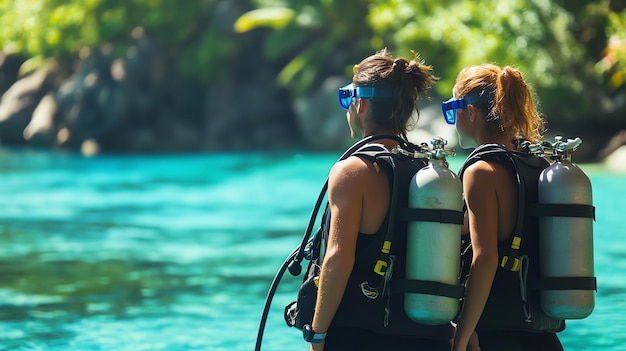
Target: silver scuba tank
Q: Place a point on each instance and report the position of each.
(565, 243)
(433, 248)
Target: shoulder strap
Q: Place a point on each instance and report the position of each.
(500, 153)
(379, 154)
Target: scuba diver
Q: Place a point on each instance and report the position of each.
(493, 111)
(348, 315)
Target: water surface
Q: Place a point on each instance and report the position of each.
(177, 252)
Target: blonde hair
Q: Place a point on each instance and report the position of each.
(508, 100)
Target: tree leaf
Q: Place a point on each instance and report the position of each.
(267, 17)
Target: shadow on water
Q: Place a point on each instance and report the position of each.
(42, 298)
(35, 285)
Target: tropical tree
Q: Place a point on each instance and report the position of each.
(65, 29)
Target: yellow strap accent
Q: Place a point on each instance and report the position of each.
(516, 263)
(516, 242)
(381, 267)
(386, 247)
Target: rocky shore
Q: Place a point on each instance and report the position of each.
(140, 105)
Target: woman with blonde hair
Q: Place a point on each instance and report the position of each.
(493, 109)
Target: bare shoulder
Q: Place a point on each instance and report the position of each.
(480, 169)
(485, 173)
(350, 169)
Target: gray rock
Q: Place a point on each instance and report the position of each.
(616, 161)
(19, 102)
(41, 131)
(320, 118)
(431, 124)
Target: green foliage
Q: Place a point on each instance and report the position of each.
(308, 34)
(613, 63)
(531, 35)
(573, 52)
(556, 44)
(61, 28)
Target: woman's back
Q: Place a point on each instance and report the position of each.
(492, 180)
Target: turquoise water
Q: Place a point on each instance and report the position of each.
(177, 252)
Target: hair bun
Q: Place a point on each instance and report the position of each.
(399, 64)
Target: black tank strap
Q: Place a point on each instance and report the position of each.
(427, 287)
(429, 215)
(565, 283)
(562, 210)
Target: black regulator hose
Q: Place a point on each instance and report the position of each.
(270, 297)
(294, 261)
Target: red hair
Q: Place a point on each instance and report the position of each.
(510, 109)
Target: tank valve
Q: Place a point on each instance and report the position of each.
(439, 151)
(560, 150)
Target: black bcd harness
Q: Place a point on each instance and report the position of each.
(527, 168)
(400, 165)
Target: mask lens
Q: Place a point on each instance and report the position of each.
(345, 102)
(346, 94)
(449, 109)
(450, 116)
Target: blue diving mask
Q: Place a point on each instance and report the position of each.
(450, 107)
(481, 99)
(349, 92)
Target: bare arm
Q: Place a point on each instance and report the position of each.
(345, 197)
(479, 186)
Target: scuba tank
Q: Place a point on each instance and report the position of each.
(566, 237)
(434, 187)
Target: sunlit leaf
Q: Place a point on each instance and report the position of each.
(291, 69)
(31, 65)
(616, 81)
(268, 17)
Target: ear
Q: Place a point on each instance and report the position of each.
(361, 105)
(473, 112)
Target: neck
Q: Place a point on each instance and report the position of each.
(389, 143)
(506, 142)
(485, 138)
